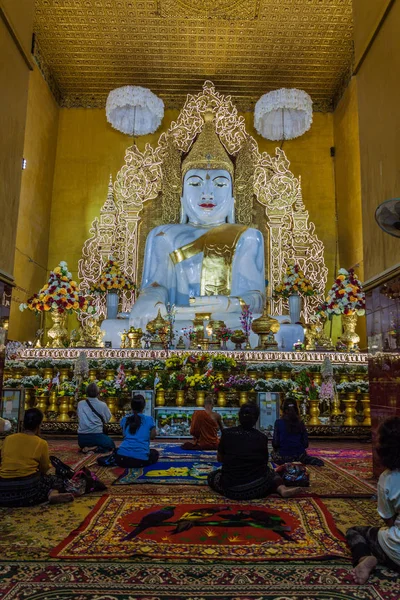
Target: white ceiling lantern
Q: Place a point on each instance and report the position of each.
(283, 114)
(134, 110)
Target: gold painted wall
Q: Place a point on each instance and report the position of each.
(348, 187)
(40, 145)
(366, 15)
(14, 78)
(379, 123)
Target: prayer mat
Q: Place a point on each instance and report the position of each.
(177, 581)
(175, 527)
(174, 451)
(167, 472)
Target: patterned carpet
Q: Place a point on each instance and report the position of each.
(206, 527)
(177, 581)
(28, 535)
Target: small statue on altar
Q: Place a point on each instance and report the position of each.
(207, 263)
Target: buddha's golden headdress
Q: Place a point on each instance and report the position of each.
(207, 151)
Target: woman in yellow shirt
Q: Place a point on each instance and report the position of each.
(24, 465)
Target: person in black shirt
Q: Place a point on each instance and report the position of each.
(243, 452)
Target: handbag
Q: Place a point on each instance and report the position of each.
(63, 471)
(92, 408)
(294, 475)
(84, 481)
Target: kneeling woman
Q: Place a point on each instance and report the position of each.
(24, 465)
(290, 439)
(243, 452)
(138, 430)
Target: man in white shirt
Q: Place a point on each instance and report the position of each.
(371, 546)
(93, 414)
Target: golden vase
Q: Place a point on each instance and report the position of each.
(200, 397)
(41, 404)
(92, 374)
(48, 373)
(243, 397)
(110, 374)
(180, 398)
(112, 404)
(221, 398)
(335, 407)
(58, 332)
(366, 410)
(349, 336)
(28, 398)
(63, 409)
(64, 374)
(350, 409)
(160, 397)
(314, 411)
(317, 378)
(52, 411)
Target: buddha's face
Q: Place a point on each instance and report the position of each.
(207, 196)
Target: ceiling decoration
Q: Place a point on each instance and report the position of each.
(247, 47)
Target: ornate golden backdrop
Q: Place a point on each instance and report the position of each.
(248, 47)
(147, 193)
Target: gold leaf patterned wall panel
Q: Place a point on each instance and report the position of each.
(248, 47)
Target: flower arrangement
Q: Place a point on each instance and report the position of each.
(31, 381)
(346, 296)
(189, 333)
(177, 381)
(294, 282)
(174, 362)
(246, 319)
(60, 293)
(112, 279)
(219, 385)
(240, 382)
(67, 389)
(200, 382)
(44, 387)
(224, 334)
(107, 388)
(305, 386)
(13, 383)
(327, 390)
(131, 382)
(274, 385)
(220, 362)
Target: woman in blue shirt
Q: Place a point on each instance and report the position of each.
(138, 429)
(290, 438)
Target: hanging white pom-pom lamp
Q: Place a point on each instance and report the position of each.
(134, 110)
(283, 114)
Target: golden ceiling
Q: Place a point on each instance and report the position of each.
(247, 47)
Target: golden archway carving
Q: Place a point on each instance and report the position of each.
(147, 192)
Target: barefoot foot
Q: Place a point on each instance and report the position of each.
(288, 492)
(364, 569)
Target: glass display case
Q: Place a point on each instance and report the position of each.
(174, 421)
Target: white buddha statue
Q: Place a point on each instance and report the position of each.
(206, 263)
